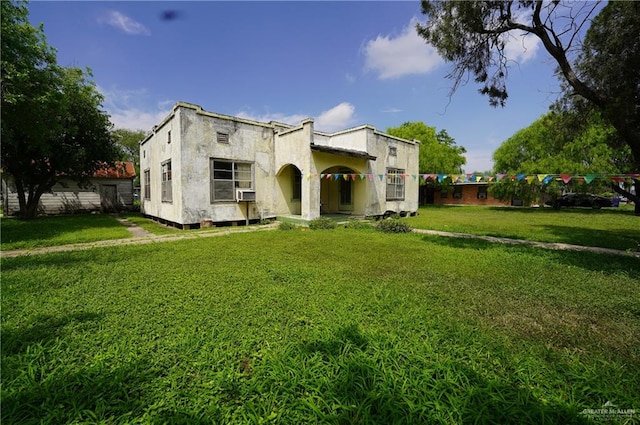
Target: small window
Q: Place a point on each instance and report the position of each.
(169, 136)
(393, 151)
(482, 192)
(457, 192)
(147, 184)
(167, 195)
(395, 185)
(222, 137)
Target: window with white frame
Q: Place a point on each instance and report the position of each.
(395, 185)
(167, 195)
(227, 176)
(147, 184)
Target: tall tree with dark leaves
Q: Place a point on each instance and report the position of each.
(601, 68)
(438, 151)
(128, 142)
(52, 122)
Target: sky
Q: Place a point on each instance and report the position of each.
(343, 64)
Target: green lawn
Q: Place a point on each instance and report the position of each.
(330, 326)
(150, 225)
(59, 230)
(607, 228)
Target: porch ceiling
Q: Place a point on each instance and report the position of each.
(343, 152)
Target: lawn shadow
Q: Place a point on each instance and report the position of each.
(45, 228)
(369, 388)
(592, 261)
(88, 395)
(43, 329)
(551, 211)
(614, 239)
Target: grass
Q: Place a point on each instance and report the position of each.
(607, 228)
(339, 327)
(59, 230)
(150, 225)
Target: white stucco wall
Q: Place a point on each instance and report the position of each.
(273, 150)
(193, 145)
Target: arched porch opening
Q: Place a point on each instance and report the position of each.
(342, 191)
(290, 183)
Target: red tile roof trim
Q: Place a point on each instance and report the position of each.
(121, 170)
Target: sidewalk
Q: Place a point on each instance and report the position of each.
(546, 245)
(141, 237)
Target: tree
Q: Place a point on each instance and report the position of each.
(128, 142)
(550, 146)
(553, 145)
(438, 151)
(606, 74)
(52, 123)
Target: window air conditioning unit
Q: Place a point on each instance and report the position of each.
(245, 195)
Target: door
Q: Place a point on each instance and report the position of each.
(109, 199)
(346, 195)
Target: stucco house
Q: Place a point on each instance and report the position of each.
(109, 189)
(201, 168)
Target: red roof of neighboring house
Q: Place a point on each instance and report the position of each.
(121, 170)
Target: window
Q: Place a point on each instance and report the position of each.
(482, 192)
(457, 192)
(166, 182)
(147, 184)
(222, 137)
(393, 151)
(227, 176)
(169, 136)
(395, 185)
(297, 184)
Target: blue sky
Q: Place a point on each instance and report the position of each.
(342, 63)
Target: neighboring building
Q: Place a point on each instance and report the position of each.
(109, 189)
(200, 168)
(460, 194)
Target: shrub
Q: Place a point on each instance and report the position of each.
(357, 224)
(286, 226)
(393, 225)
(322, 223)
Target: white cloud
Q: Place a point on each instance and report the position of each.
(123, 23)
(126, 112)
(292, 119)
(521, 48)
(478, 160)
(394, 57)
(350, 78)
(136, 119)
(391, 110)
(337, 118)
